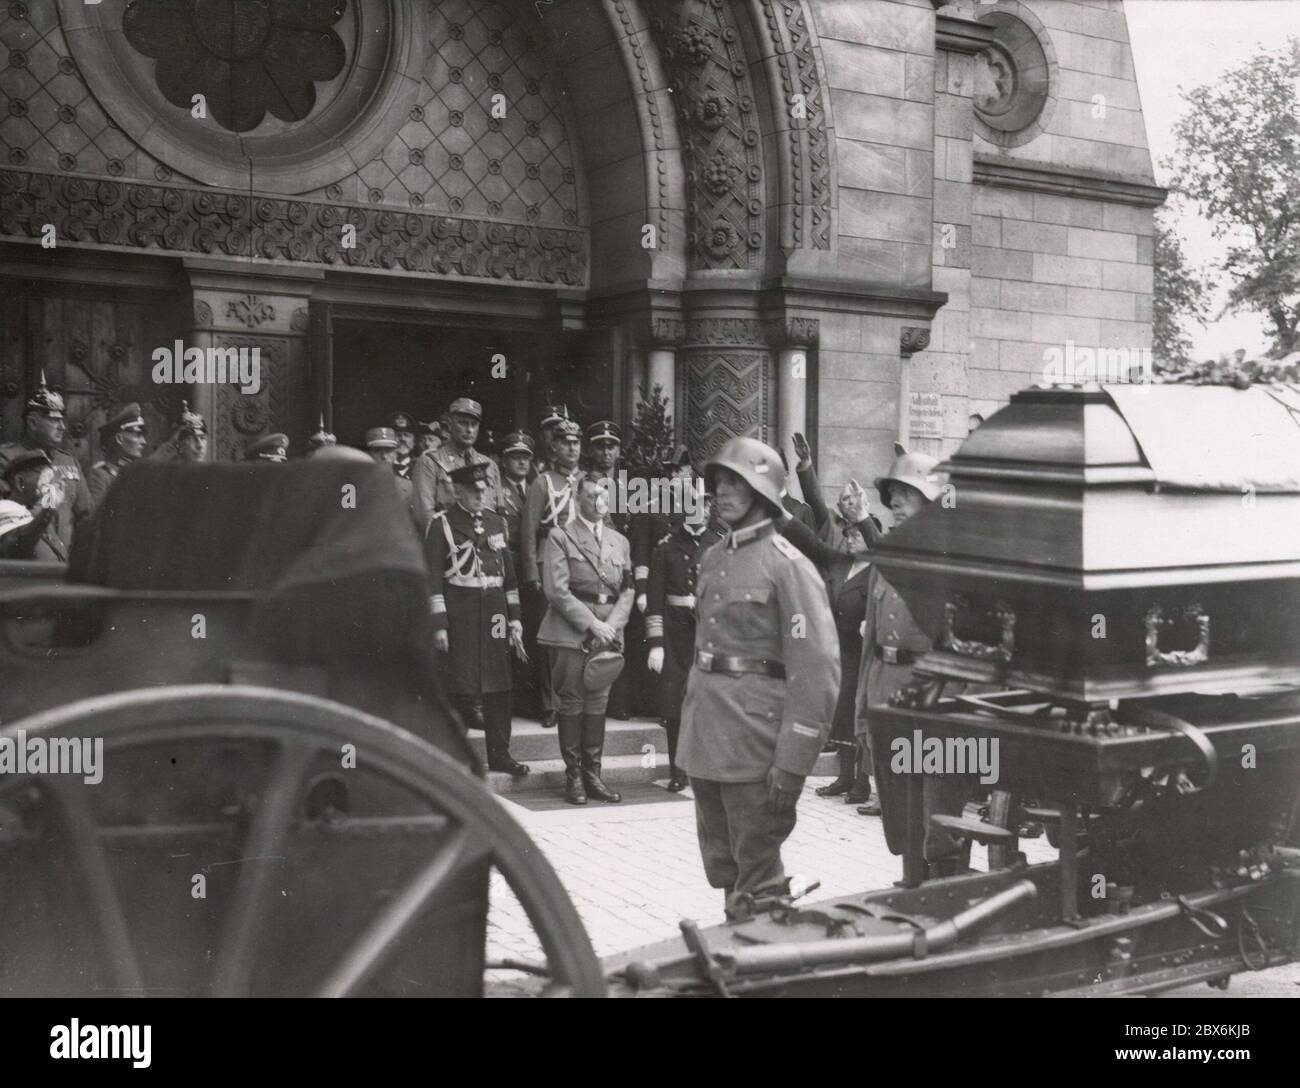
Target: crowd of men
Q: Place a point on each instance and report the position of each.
(543, 591)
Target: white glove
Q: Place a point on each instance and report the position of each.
(641, 603)
(516, 629)
(441, 642)
(655, 661)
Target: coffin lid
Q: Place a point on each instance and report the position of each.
(1209, 438)
(1111, 486)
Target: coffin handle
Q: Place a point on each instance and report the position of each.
(988, 651)
(1155, 621)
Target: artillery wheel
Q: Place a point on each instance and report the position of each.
(467, 831)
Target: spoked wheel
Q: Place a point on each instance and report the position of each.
(247, 840)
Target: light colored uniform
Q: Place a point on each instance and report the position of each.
(434, 489)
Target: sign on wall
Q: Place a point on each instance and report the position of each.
(924, 416)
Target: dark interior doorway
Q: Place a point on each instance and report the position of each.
(382, 367)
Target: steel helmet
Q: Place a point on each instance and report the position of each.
(755, 462)
(914, 469)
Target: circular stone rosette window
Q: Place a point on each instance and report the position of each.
(1013, 79)
(295, 92)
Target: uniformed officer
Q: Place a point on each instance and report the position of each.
(320, 438)
(604, 447)
(27, 516)
(892, 640)
(43, 429)
(122, 438)
(516, 454)
(649, 530)
(432, 473)
(431, 436)
(383, 447)
(188, 443)
(670, 618)
(475, 609)
(404, 425)
(271, 447)
(550, 503)
(587, 578)
(552, 416)
(760, 696)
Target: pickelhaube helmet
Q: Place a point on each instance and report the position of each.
(320, 438)
(914, 469)
(191, 422)
(45, 401)
(567, 428)
(755, 462)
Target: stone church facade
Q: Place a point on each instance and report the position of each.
(860, 219)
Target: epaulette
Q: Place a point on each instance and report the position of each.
(785, 547)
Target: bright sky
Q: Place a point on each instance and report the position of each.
(1189, 43)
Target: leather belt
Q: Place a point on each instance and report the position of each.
(682, 600)
(481, 581)
(707, 662)
(896, 655)
(603, 598)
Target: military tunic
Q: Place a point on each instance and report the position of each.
(434, 490)
(474, 597)
(583, 581)
(670, 608)
(513, 497)
(77, 504)
(892, 641)
(551, 503)
(759, 598)
(100, 477)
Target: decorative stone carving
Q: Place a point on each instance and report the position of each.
(737, 331)
(242, 416)
(913, 339)
(202, 314)
(728, 392)
(247, 57)
(719, 126)
(810, 164)
(666, 331)
(298, 319)
(792, 332)
(202, 221)
(250, 310)
(632, 40)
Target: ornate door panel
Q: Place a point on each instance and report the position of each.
(97, 351)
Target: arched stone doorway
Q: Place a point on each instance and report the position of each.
(629, 192)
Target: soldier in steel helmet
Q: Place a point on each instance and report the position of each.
(892, 641)
(587, 579)
(43, 429)
(762, 689)
(122, 438)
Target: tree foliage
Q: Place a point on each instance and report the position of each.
(650, 442)
(1238, 159)
(1180, 296)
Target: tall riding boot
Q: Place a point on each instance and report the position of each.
(496, 716)
(571, 752)
(842, 784)
(593, 746)
(676, 777)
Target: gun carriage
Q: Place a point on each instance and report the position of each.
(286, 804)
(1112, 584)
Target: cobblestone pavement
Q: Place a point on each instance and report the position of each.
(634, 872)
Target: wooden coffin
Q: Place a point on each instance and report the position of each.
(1110, 542)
